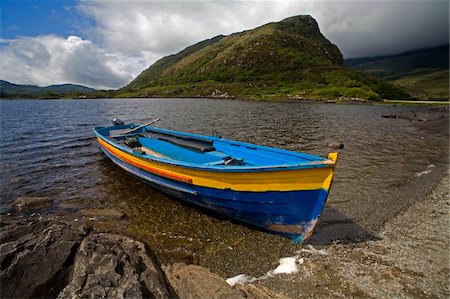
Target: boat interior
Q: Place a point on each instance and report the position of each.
(197, 149)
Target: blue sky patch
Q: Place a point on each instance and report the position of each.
(32, 18)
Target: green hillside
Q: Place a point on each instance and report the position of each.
(10, 90)
(288, 59)
(423, 73)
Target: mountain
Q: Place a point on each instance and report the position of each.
(423, 73)
(287, 59)
(11, 90)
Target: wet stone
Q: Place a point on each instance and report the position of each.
(335, 144)
(32, 203)
(104, 213)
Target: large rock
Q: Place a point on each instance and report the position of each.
(34, 254)
(191, 281)
(48, 257)
(114, 266)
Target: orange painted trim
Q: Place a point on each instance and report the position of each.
(255, 181)
(141, 164)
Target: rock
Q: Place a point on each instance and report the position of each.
(70, 205)
(434, 119)
(191, 281)
(37, 256)
(219, 94)
(103, 213)
(413, 115)
(32, 203)
(258, 291)
(34, 254)
(421, 115)
(114, 266)
(335, 144)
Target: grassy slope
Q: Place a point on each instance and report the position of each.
(423, 74)
(289, 59)
(428, 84)
(158, 67)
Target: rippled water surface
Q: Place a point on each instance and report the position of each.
(48, 149)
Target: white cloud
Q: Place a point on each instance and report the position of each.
(163, 27)
(49, 59)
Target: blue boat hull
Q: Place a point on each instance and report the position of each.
(292, 214)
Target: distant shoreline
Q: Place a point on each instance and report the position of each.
(314, 101)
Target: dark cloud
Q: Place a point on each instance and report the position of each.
(386, 27)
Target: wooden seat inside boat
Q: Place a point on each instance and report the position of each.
(191, 143)
(174, 146)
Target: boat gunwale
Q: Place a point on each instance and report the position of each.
(320, 163)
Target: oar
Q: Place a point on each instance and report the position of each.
(141, 126)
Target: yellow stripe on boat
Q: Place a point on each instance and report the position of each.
(280, 180)
(327, 183)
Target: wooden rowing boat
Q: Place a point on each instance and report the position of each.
(277, 190)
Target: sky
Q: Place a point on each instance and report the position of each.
(105, 44)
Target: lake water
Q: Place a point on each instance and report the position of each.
(48, 149)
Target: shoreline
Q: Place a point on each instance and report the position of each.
(338, 101)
